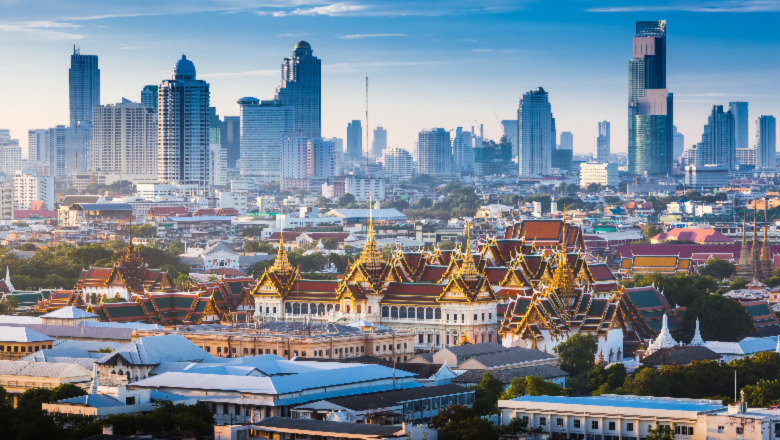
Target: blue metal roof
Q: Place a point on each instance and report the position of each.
(105, 206)
(663, 404)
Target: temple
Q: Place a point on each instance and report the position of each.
(755, 259)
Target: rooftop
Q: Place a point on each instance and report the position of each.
(69, 312)
(629, 401)
(327, 429)
(21, 334)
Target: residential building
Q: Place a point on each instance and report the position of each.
(678, 143)
(6, 201)
(37, 146)
(567, 141)
(397, 163)
(149, 97)
(124, 142)
(746, 156)
(57, 150)
(650, 105)
(491, 158)
(218, 165)
(294, 157)
(183, 129)
(305, 217)
(364, 188)
(301, 89)
(434, 152)
(355, 139)
(30, 187)
(322, 159)
(766, 145)
(603, 173)
(603, 142)
(707, 176)
(717, 146)
(10, 156)
(263, 126)
(463, 150)
(509, 129)
(740, 112)
(536, 128)
(379, 142)
(231, 139)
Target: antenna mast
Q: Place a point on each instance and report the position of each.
(368, 138)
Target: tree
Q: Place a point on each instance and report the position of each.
(347, 201)
(515, 426)
(252, 231)
(8, 306)
(765, 393)
(176, 248)
(486, 394)
(660, 432)
(183, 282)
(679, 290)
(458, 422)
(144, 231)
(330, 243)
(720, 318)
(651, 231)
(536, 386)
(717, 268)
(577, 353)
(88, 255)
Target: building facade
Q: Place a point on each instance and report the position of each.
(717, 146)
(84, 87)
(379, 142)
(706, 176)
(124, 142)
(263, 126)
(603, 142)
(536, 128)
(301, 89)
(740, 112)
(149, 97)
(603, 173)
(766, 142)
(30, 187)
(355, 139)
(397, 163)
(434, 152)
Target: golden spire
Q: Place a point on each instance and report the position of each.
(563, 277)
(765, 248)
(371, 257)
(281, 263)
(468, 271)
(744, 227)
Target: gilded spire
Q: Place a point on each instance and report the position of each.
(563, 277)
(744, 227)
(756, 249)
(765, 248)
(281, 263)
(468, 270)
(371, 257)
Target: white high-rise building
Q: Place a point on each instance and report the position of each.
(10, 154)
(379, 143)
(463, 150)
(536, 132)
(37, 146)
(766, 144)
(397, 163)
(29, 188)
(124, 142)
(509, 130)
(434, 152)
(678, 143)
(567, 141)
(263, 126)
(602, 173)
(602, 142)
(218, 164)
(323, 159)
(295, 157)
(183, 129)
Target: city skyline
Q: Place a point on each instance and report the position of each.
(407, 60)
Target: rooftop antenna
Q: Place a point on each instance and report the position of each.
(368, 139)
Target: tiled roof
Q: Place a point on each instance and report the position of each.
(682, 355)
(545, 371)
(328, 429)
(385, 399)
(515, 355)
(21, 334)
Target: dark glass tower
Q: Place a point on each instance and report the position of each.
(718, 141)
(84, 85)
(301, 88)
(650, 105)
(355, 139)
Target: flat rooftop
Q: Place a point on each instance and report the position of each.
(615, 401)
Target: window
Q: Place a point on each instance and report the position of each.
(611, 426)
(630, 427)
(130, 400)
(448, 316)
(740, 430)
(475, 317)
(577, 423)
(525, 419)
(542, 421)
(483, 316)
(490, 316)
(455, 317)
(559, 422)
(720, 429)
(594, 424)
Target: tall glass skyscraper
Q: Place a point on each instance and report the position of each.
(603, 142)
(231, 139)
(650, 109)
(355, 139)
(536, 130)
(301, 88)
(84, 87)
(766, 133)
(717, 146)
(149, 97)
(740, 111)
(264, 125)
(379, 143)
(183, 129)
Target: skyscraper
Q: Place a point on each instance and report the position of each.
(301, 88)
(678, 140)
(766, 141)
(124, 142)
(379, 143)
(650, 115)
(231, 139)
(38, 145)
(434, 152)
(183, 129)
(603, 142)
(149, 96)
(263, 126)
(397, 163)
(740, 111)
(463, 150)
(355, 139)
(717, 146)
(536, 129)
(84, 86)
(567, 141)
(322, 159)
(509, 130)
(294, 157)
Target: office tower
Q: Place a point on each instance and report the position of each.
(717, 146)
(183, 129)
(746, 156)
(217, 165)
(355, 139)
(536, 129)
(492, 158)
(263, 126)
(30, 187)
(766, 142)
(397, 163)
(149, 96)
(10, 154)
(678, 142)
(56, 151)
(740, 111)
(603, 142)
(650, 105)
(567, 141)
(84, 86)
(295, 157)
(322, 159)
(434, 153)
(463, 151)
(37, 145)
(215, 127)
(124, 142)
(231, 139)
(509, 130)
(379, 142)
(301, 88)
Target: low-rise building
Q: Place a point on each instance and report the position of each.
(604, 174)
(18, 342)
(17, 377)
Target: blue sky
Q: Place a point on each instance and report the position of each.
(431, 63)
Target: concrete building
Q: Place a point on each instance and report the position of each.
(30, 187)
(707, 176)
(83, 86)
(766, 144)
(717, 146)
(567, 141)
(6, 201)
(509, 129)
(301, 89)
(355, 139)
(740, 112)
(603, 142)
(678, 143)
(322, 159)
(434, 152)
(10, 156)
(183, 124)
(149, 97)
(19, 376)
(397, 163)
(362, 188)
(124, 142)
(231, 139)
(536, 128)
(604, 173)
(463, 150)
(37, 146)
(746, 156)
(305, 217)
(263, 126)
(379, 142)
(218, 165)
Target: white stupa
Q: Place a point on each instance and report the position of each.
(664, 339)
(697, 340)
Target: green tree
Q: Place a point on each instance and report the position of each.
(183, 282)
(577, 353)
(717, 268)
(720, 318)
(536, 386)
(651, 231)
(765, 393)
(486, 394)
(515, 426)
(88, 255)
(458, 422)
(347, 201)
(679, 290)
(322, 202)
(252, 231)
(330, 243)
(145, 231)
(8, 306)
(660, 432)
(176, 248)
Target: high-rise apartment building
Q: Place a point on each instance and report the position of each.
(397, 163)
(10, 154)
(183, 129)
(678, 142)
(264, 124)
(650, 105)
(57, 151)
(84, 87)
(149, 96)
(509, 130)
(218, 165)
(301, 88)
(434, 152)
(37, 145)
(536, 128)
(717, 146)
(567, 141)
(124, 142)
(30, 187)
(378, 143)
(355, 139)
(463, 151)
(231, 139)
(603, 142)
(766, 146)
(323, 159)
(740, 111)
(295, 157)
(600, 173)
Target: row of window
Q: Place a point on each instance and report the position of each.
(341, 352)
(419, 313)
(23, 348)
(612, 426)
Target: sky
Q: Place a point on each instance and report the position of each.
(430, 63)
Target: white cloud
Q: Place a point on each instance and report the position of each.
(42, 30)
(361, 36)
(482, 50)
(266, 72)
(335, 9)
(740, 6)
